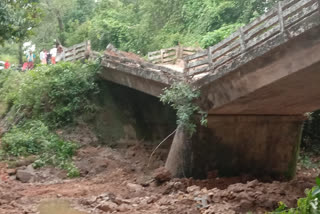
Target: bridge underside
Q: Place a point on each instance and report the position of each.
(255, 104)
(255, 111)
(147, 86)
(284, 81)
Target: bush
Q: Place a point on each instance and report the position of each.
(28, 139)
(53, 94)
(218, 35)
(34, 138)
(41, 100)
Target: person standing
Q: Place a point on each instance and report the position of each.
(53, 53)
(30, 59)
(60, 53)
(48, 58)
(43, 57)
(7, 65)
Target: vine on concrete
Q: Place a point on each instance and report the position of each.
(181, 96)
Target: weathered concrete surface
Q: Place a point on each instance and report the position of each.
(147, 86)
(137, 74)
(127, 115)
(255, 100)
(259, 145)
(282, 81)
(179, 161)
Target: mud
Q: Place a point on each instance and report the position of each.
(120, 181)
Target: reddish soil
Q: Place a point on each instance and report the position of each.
(115, 52)
(119, 181)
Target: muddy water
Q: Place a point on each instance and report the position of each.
(57, 206)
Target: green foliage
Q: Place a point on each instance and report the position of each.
(17, 19)
(141, 26)
(43, 99)
(181, 97)
(35, 138)
(25, 140)
(216, 36)
(63, 20)
(9, 79)
(307, 205)
(306, 161)
(311, 133)
(53, 94)
(9, 51)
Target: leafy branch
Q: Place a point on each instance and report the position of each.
(181, 96)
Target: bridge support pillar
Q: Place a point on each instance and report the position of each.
(257, 145)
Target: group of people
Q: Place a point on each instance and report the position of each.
(46, 58)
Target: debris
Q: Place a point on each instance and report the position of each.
(162, 175)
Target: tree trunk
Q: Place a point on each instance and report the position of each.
(20, 52)
(60, 22)
(179, 161)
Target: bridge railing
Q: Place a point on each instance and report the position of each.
(277, 20)
(170, 55)
(76, 52)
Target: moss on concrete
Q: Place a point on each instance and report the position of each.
(290, 174)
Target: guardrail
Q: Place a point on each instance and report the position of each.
(272, 23)
(76, 52)
(141, 68)
(170, 55)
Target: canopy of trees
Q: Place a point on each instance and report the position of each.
(17, 19)
(134, 25)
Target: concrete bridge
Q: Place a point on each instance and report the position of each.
(256, 85)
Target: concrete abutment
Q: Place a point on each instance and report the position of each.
(259, 145)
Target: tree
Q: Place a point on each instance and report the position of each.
(6, 22)
(145, 25)
(55, 11)
(18, 19)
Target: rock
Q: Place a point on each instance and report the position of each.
(178, 185)
(253, 183)
(11, 172)
(269, 203)
(245, 204)
(108, 206)
(2, 202)
(162, 175)
(92, 166)
(25, 176)
(134, 187)
(124, 208)
(243, 195)
(193, 188)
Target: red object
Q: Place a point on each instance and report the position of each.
(30, 65)
(6, 65)
(53, 60)
(25, 66)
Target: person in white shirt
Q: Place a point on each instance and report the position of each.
(43, 57)
(53, 53)
(60, 53)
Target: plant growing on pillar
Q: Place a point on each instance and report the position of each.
(181, 97)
